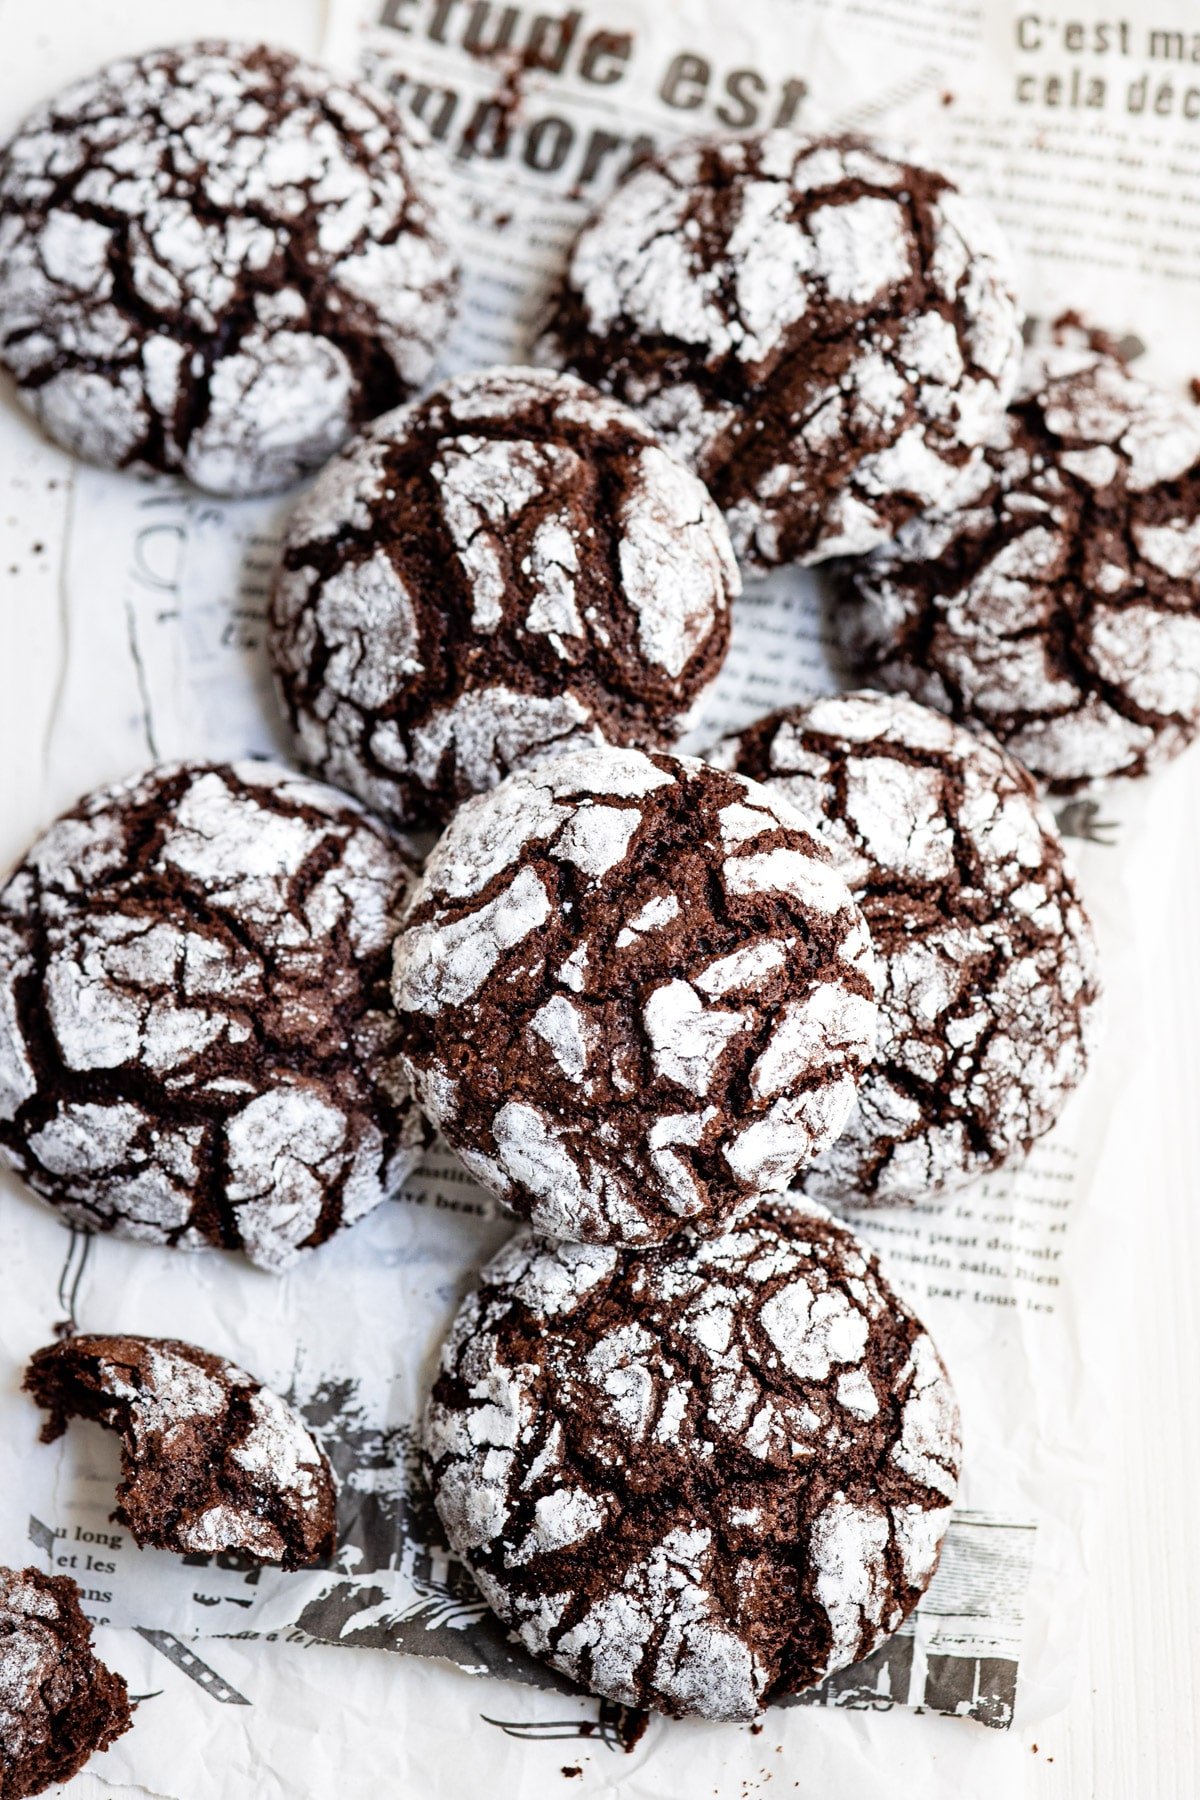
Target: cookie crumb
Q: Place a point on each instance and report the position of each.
(211, 1460)
(631, 1728)
(1070, 327)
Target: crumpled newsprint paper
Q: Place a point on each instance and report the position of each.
(163, 600)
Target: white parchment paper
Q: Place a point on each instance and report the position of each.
(162, 601)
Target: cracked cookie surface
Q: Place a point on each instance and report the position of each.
(1058, 601)
(987, 973)
(635, 994)
(211, 1460)
(217, 259)
(59, 1705)
(510, 569)
(699, 1477)
(824, 332)
(196, 1042)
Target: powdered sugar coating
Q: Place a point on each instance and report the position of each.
(218, 259)
(826, 332)
(211, 1459)
(58, 1702)
(198, 1047)
(698, 1477)
(507, 571)
(1058, 601)
(988, 981)
(635, 995)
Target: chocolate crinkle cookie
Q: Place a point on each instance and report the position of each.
(636, 995)
(700, 1477)
(59, 1705)
(1058, 601)
(196, 1042)
(987, 974)
(511, 569)
(211, 1460)
(825, 331)
(218, 259)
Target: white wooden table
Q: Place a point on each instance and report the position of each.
(1131, 1729)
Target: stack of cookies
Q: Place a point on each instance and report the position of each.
(695, 1450)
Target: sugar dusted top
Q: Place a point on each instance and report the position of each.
(635, 994)
(217, 259)
(825, 330)
(512, 569)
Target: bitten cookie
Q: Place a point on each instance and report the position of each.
(196, 1043)
(1058, 601)
(218, 259)
(636, 996)
(987, 974)
(59, 1705)
(511, 569)
(824, 331)
(211, 1459)
(701, 1477)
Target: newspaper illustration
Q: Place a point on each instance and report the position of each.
(164, 594)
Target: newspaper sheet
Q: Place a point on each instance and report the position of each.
(163, 607)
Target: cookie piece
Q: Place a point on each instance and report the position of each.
(511, 569)
(211, 1459)
(1058, 601)
(825, 331)
(699, 1477)
(196, 1042)
(987, 973)
(218, 259)
(636, 996)
(59, 1705)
